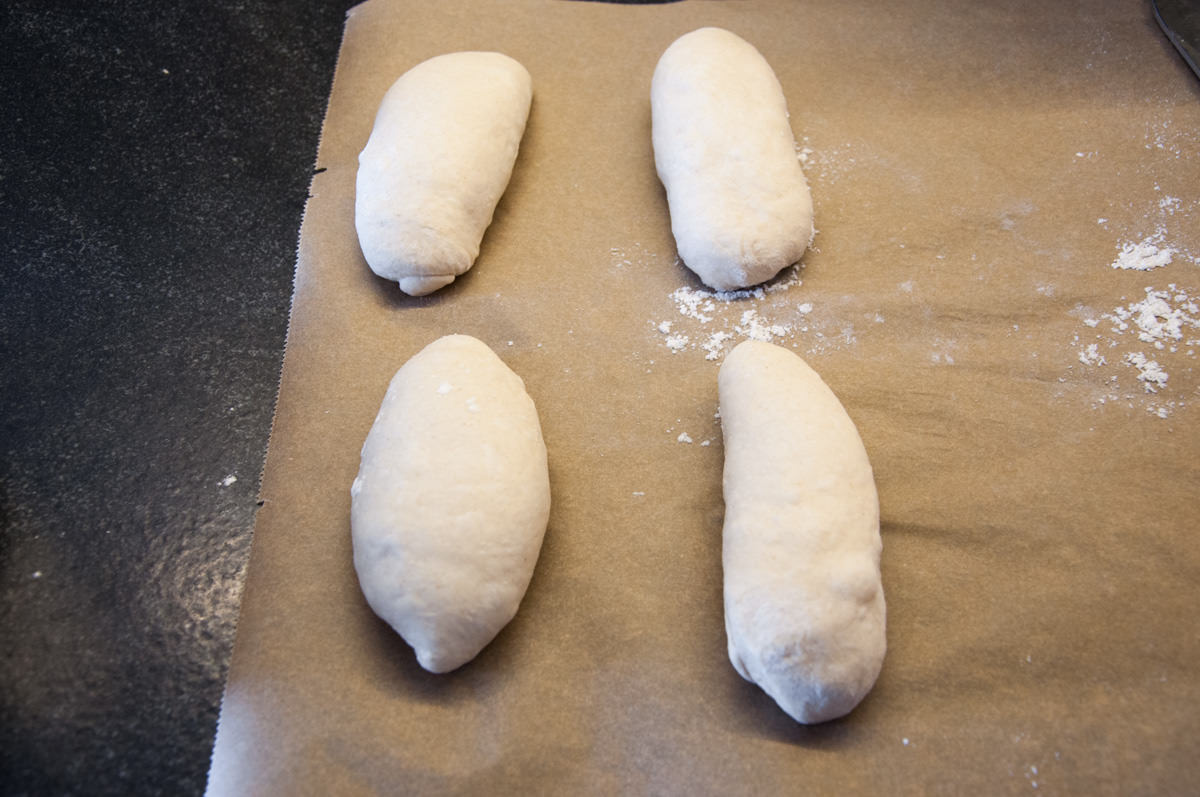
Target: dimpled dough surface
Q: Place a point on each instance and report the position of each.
(439, 157)
(804, 607)
(740, 207)
(451, 501)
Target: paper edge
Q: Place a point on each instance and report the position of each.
(260, 499)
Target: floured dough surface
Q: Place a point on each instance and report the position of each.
(439, 157)
(740, 207)
(451, 501)
(804, 605)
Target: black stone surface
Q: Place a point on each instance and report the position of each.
(154, 163)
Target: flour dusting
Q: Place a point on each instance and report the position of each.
(1147, 346)
(1145, 255)
(715, 318)
(1152, 336)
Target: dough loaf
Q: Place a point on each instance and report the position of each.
(439, 157)
(804, 607)
(451, 501)
(740, 206)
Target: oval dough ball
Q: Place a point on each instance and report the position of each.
(439, 157)
(740, 206)
(804, 608)
(451, 501)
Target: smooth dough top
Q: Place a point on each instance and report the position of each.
(804, 605)
(439, 157)
(740, 207)
(451, 501)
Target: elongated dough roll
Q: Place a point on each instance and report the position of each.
(439, 157)
(804, 608)
(740, 206)
(451, 501)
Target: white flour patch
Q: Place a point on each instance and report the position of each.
(753, 327)
(712, 322)
(714, 345)
(1148, 348)
(676, 343)
(1145, 251)
(1145, 255)
(1091, 355)
(1149, 372)
(709, 320)
(1145, 350)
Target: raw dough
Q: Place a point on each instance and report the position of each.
(439, 157)
(740, 207)
(804, 609)
(451, 501)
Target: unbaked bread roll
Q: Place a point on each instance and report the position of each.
(439, 157)
(451, 501)
(804, 608)
(740, 206)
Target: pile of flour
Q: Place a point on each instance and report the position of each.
(1153, 251)
(712, 321)
(1154, 335)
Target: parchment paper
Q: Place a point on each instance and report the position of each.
(976, 170)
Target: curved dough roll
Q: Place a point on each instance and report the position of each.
(740, 207)
(439, 157)
(451, 501)
(804, 608)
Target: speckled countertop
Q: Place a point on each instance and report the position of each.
(156, 163)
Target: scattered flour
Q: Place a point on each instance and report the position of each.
(754, 328)
(701, 308)
(684, 437)
(1149, 371)
(1169, 139)
(676, 343)
(1153, 250)
(1152, 336)
(1091, 355)
(714, 345)
(1158, 334)
(715, 319)
(1159, 319)
(1145, 255)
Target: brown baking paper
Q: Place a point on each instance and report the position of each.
(976, 171)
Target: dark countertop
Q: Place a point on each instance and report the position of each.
(156, 162)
